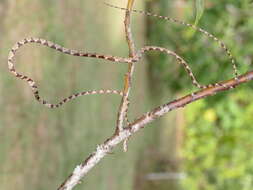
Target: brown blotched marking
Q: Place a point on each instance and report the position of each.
(110, 58)
(101, 56)
(19, 44)
(84, 55)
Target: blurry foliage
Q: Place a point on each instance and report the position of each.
(218, 145)
(230, 21)
(217, 150)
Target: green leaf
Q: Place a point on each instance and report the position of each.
(199, 7)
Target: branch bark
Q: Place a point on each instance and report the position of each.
(123, 109)
(128, 76)
(102, 150)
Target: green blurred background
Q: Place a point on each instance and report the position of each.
(206, 145)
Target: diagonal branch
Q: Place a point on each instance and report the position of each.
(105, 148)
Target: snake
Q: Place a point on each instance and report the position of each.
(116, 59)
(137, 57)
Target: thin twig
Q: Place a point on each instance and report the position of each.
(123, 109)
(105, 148)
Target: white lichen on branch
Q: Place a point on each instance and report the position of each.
(141, 122)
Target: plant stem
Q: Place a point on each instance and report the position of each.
(128, 76)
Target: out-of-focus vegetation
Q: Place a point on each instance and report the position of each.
(217, 148)
(218, 145)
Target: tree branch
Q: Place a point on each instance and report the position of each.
(105, 148)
